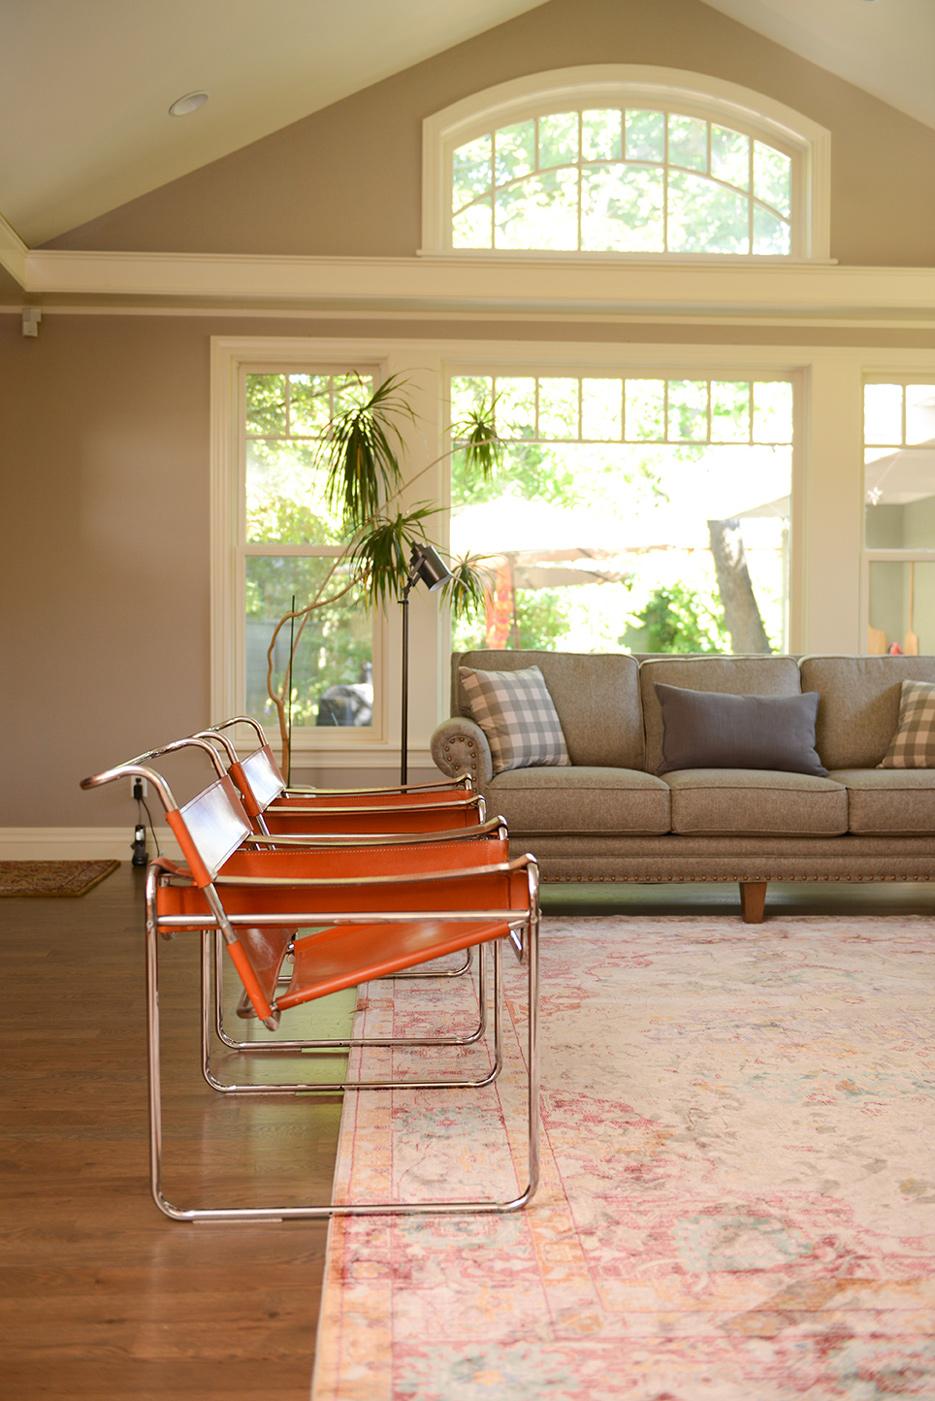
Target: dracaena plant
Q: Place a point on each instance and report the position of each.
(361, 451)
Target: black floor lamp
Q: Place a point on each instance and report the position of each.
(426, 564)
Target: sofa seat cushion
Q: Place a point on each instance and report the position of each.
(756, 802)
(579, 800)
(889, 802)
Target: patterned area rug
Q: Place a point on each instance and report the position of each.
(738, 1194)
(51, 878)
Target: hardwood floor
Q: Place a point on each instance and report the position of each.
(101, 1295)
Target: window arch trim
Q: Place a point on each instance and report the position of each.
(672, 89)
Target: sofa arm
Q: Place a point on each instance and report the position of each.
(459, 746)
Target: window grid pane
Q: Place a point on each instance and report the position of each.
(621, 180)
(615, 409)
(616, 496)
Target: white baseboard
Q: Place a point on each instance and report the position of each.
(77, 843)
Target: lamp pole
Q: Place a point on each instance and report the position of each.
(426, 564)
(404, 709)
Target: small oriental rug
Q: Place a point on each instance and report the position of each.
(738, 1190)
(52, 878)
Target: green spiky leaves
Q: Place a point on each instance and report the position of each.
(477, 435)
(361, 450)
(380, 554)
(464, 591)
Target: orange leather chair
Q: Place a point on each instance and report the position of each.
(302, 843)
(274, 807)
(378, 911)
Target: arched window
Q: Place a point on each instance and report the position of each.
(625, 161)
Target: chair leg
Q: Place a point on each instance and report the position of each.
(329, 1209)
(338, 1044)
(753, 901)
(332, 1086)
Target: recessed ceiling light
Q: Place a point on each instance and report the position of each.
(183, 106)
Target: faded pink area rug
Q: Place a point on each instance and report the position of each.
(738, 1189)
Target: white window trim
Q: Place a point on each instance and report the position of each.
(873, 554)
(619, 84)
(230, 359)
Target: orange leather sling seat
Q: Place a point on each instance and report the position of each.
(347, 881)
(263, 792)
(344, 955)
(463, 876)
(381, 813)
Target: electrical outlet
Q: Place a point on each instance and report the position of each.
(138, 787)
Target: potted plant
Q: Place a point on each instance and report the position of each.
(361, 451)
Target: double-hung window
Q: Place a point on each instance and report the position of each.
(320, 665)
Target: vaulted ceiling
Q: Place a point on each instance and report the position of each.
(886, 47)
(85, 88)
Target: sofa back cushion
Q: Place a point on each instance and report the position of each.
(739, 676)
(597, 698)
(859, 711)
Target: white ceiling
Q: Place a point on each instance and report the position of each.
(886, 47)
(85, 85)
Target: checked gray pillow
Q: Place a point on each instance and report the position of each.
(913, 745)
(713, 730)
(518, 716)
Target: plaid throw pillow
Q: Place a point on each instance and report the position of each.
(518, 716)
(913, 745)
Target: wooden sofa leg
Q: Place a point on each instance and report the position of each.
(753, 901)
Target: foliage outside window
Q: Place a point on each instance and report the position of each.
(642, 514)
(621, 180)
(293, 538)
(899, 514)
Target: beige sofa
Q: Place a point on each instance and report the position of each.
(611, 817)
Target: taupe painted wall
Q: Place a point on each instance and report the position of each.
(10, 290)
(347, 179)
(104, 434)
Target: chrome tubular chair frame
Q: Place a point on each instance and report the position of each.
(162, 925)
(330, 1086)
(459, 781)
(339, 1044)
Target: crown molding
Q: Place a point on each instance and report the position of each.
(13, 252)
(495, 284)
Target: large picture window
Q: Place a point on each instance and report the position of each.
(291, 546)
(899, 516)
(646, 514)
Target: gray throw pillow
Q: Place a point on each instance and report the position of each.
(711, 730)
(517, 714)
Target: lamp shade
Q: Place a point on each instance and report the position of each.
(427, 564)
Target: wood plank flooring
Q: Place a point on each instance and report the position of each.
(100, 1295)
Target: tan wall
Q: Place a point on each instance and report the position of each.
(347, 180)
(104, 437)
(10, 291)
